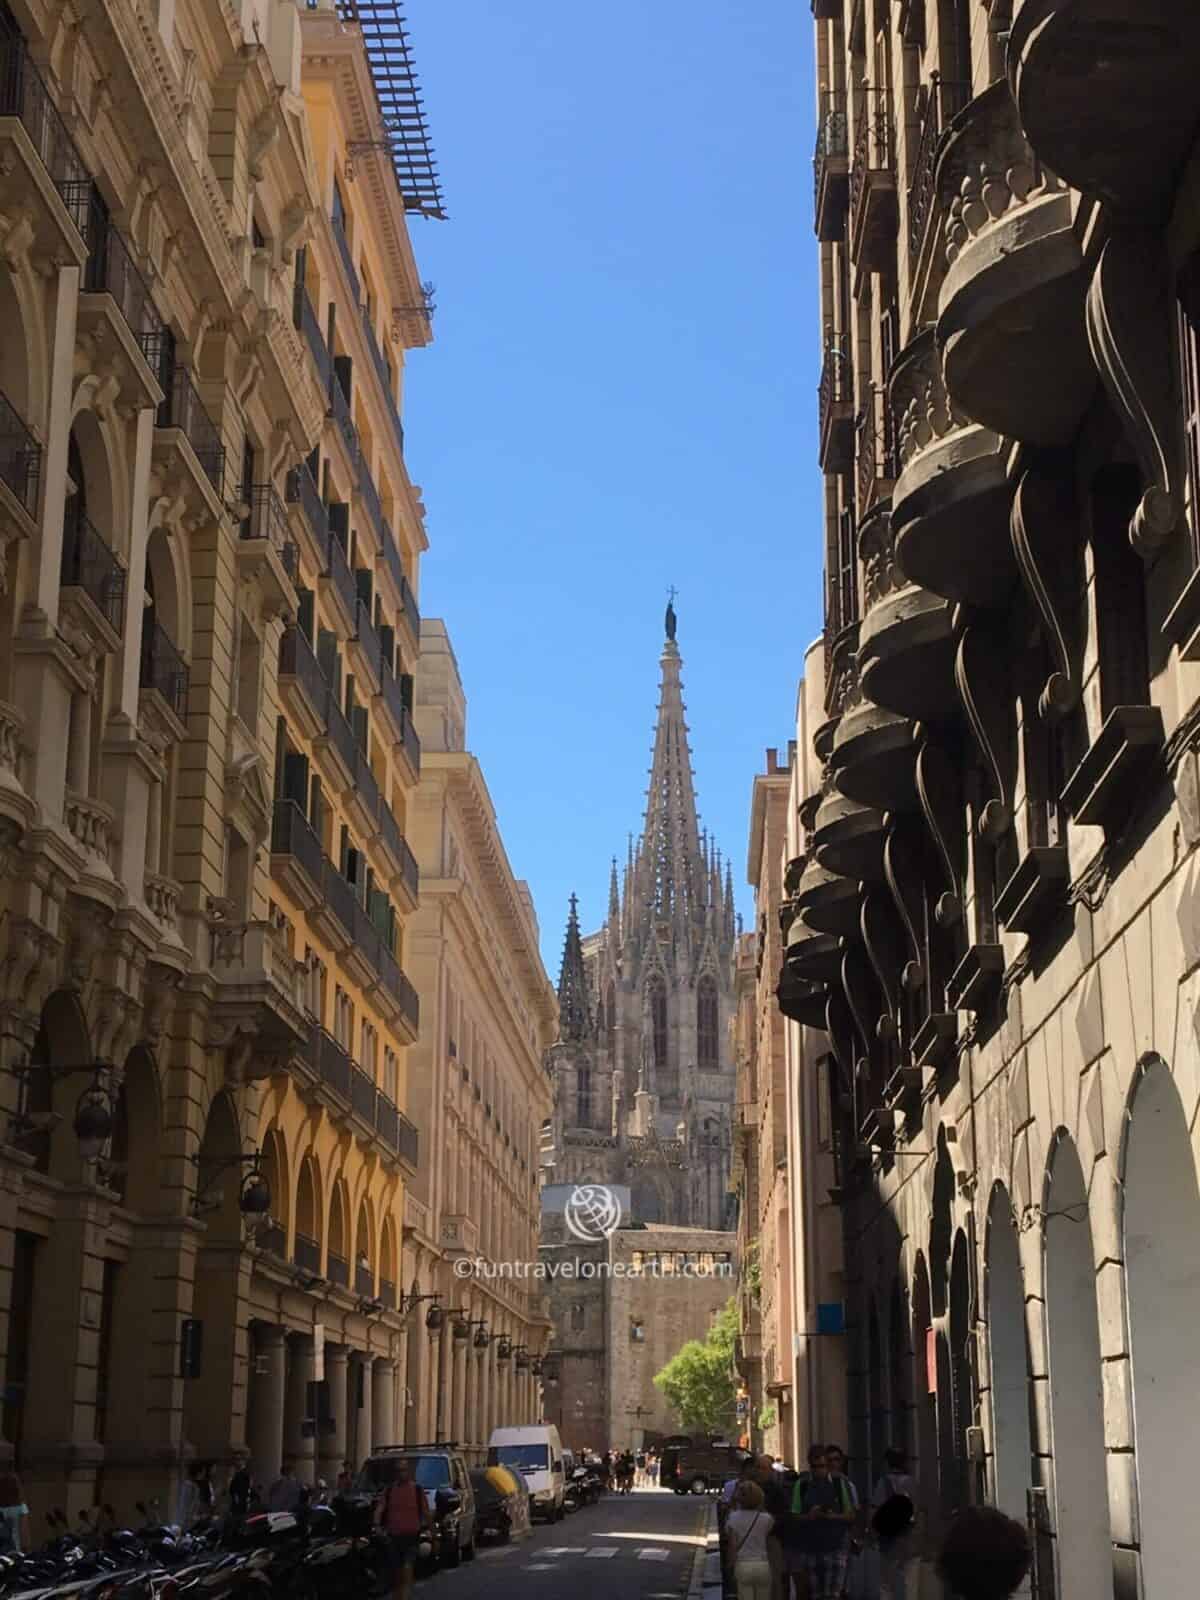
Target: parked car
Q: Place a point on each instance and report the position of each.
(501, 1504)
(696, 1468)
(537, 1453)
(441, 1470)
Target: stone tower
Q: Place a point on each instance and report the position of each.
(643, 1067)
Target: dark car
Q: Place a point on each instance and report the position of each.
(697, 1468)
(441, 1470)
(501, 1509)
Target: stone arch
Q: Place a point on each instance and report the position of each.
(309, 1227)
(1162, 1280)
(962, 1364)
(1008, 1347)
(925, 1429)
(275, 1171)
(24, 359)
(337, 1240)
(168, 588)
(1083, 1543)
(62, 1040)
(96, 479)
(900, 1398)
(136, 1149)
(220, 1170)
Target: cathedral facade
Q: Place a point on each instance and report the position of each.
(643, 1069)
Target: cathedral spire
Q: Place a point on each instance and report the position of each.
(671, 859)
(574, 1013)
(614, 895)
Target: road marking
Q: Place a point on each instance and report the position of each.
(652, 1554)
(564, 1550)
(603, 1555)
(540, 1566)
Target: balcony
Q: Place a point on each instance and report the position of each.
(831, 170)
(951, 500)
(337, 1270)
(873, 203)
(302, 492)
(301, 682)
(873, 756)
(260, 989)
(405, 877)
(369, 495)
(266, 554)
(367, 649)
(45, 178)
(874, 450)
(397, 1132)
(1011, 304)
(362, 796)
(800, 999)
(405, 996)
(408, 746)
(848, 837)
(354, 1088)
(306, 321)
(827, 902)
(905, 641)
(364, 1282)
(20, 470)
(339, 409)
(163, 673)
(330, 1062)
(812, 956)
(338, 581)
(93, 577)
(272, 1239)
(296, 857)
(937, 104)
(343, 245)
(182, 414)
(336, 745)
(1105, 787)
(384, 376)
(460, 1235)
(835, 406)
(1107, 95)
(115, 304)
(306, 1254)
(334, 911)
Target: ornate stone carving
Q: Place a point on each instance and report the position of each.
(926, 412)
(163, 896)
(981, 672)
(877, 552)
(990, 191)
(91, 823)
(1128, 323)
(1045, 524)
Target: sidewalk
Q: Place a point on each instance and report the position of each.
(706, 1571)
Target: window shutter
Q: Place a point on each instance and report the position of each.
(339, 522)
(327, 655)
(406, 691)
(387, 639)
(305, 613)
(363, 579)
(316, 814)
(295, 777)
(358, 722)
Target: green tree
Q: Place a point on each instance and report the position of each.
(697, 1382)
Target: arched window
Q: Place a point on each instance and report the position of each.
(707, 1014)
(583, 1096)
(658, 1021)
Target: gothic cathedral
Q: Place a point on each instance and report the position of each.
(643, 1067)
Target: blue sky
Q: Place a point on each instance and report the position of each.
(620, 397)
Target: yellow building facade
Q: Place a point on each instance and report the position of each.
(208, 636)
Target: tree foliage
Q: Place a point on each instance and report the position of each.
(698, 1382)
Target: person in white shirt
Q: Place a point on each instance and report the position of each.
(746, 1529)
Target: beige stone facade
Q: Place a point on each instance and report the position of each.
(478, 1089)
(992, 898)
(206, 645)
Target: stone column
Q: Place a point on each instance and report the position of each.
(383, 1403)
(332, 1446)
(363, 1418)
(298, 1452)
(264, 1432)
(471, 1397)
(458, 1389)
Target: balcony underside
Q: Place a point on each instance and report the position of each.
(950, 519)
(832, 194)
(811, 956)
(1107, 94)
(848, 838)
(906, 654)
(874, 758)
(827, 902)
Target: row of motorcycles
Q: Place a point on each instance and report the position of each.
(585, 1484)
(325, 1551)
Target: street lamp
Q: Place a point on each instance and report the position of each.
(482, 1337)
(504, 1348)
(521, 1358)
(92, 1123)
(254, 1195)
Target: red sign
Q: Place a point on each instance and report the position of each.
(931, 1360)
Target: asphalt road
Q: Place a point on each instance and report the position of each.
(639, 1546)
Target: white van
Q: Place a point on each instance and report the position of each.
(537, 1453)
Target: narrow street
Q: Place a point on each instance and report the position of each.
(641, 1547)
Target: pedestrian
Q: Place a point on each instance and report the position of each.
(825, 1510)
(188, 1505)
(403, 1513)
(14, 1514)
(894, 1503)
(239, 1489)
(985, 1555)
(286, 1493)
(746, 1530)
(345, 1479)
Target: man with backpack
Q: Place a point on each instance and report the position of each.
(893, 1522)
(403, 1513)
(823, 1513)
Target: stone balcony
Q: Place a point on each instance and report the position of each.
(827, 902)
(848, 837)
(1106, 91)
(260, 989)
(905, 640)
(873, 755)
(951, 497)
(1011, 304)
(459, 1235)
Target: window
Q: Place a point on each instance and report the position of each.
(707, 1013)
(658, 1021)
(390, 1073)
(370, 1046)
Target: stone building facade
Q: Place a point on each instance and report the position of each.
(993, 891)
(642, 1070)
(207, 637)
(478, 1089)
(624, 1306)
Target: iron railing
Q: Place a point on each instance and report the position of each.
(337, 1270)
(367, 637)
(20, 456)
(937, 103)
(874, 447)
(300, 489)
(311, 329)
(339, 895)
(88, 564)
(841, 576)
(23, 94)
(833, 133)
(408, 604)
(273, 1239)
(343, 244)
(387, 1293)
(111, 270)
(307, 1253)
(337, 568)
(163, 669)
(267, 520)
(384, 375)
(393, 695)
(398, 845)
(837, 379)
(407, 1139)
(362, 1094)
(370, 494)
(391, 554)
(365, 783)
(341, 733)
(364, 1282)
(874, 142)
(409, 740)
(339, 405)
(183, 408)
(367, 937)
(292, 834)
(331, 1062)
(298, 660)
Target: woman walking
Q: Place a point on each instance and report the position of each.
(746, 1529)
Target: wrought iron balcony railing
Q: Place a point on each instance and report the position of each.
(306, 321)
(340, 732)
(339, 405)
(398, 845)
(292, 834)
(298, 660)
(267, 520)
(367, 637)
(88, 564)
(337, 569)
(163, 669)
(343, 244)
(337, 1270)
(111, 270)
(23, 95)
(875, 447)
(339, 895)
(20, 456)
(829, 164)
(183, 408)
(409, 741)
(307, 1253)
(384, 375)
(302, 491)
(937, 103)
